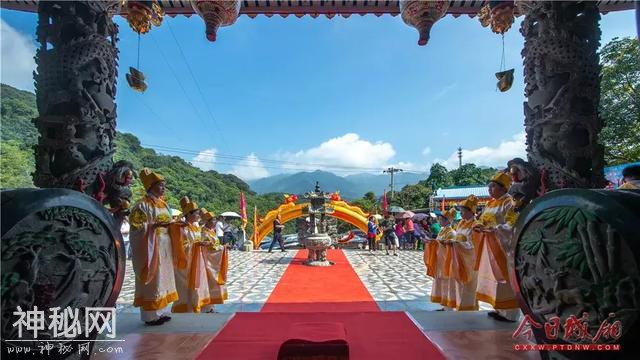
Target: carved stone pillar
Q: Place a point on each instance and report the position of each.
(75, 90)
(563, 89)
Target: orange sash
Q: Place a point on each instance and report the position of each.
(179, 256)
(432, 258)
(497, 258)
(455, 261)
(224, 266)
(150, 256)
(198, 254)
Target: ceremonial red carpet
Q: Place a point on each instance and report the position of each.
(309, 288)
(321, 295)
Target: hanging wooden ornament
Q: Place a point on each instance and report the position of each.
(484, 16)
(505, 80)
(502, 16)
(505, 77)
(135, 77)
(141, 15)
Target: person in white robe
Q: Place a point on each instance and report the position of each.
(495, 251)
(192, 281)
(152, 252)
(218, 260)
(435, 260)
(459, 261)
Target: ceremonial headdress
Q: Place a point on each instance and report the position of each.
(149, 178)
(470, 203)
(187, 205)
(450, 214)
(206, 215)
(503, 179)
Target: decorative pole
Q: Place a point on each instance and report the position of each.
(562, 86)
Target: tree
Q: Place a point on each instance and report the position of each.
(620, 100)
(370, 196)
(413, 196)
(16, 166)
(438, 177)
(470, 174)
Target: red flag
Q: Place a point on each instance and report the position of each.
(243, 210)
(385, 205)
(442, 205)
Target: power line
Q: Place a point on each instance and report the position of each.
(241, 161)
(206, 104)
(175, 76)
(240, 157)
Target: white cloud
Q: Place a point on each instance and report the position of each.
(490, 156)
(206, 159)
(250, 168)
(346, 151)
(17, 51)
(426, 151)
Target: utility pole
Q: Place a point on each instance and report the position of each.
(459, 157)
(392, 171)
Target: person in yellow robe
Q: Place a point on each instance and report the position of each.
(460, 259)
(192, 282)
(495, 251)
(152, 252)
(436, 258)
(218, 260)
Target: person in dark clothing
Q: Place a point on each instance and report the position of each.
(371, 233)
(277, 233)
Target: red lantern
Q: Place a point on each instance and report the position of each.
(216, 14)
(422, 15)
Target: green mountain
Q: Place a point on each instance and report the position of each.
(210, 189)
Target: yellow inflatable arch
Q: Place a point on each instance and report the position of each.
(341, 210)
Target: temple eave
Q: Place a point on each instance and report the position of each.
(315, 9)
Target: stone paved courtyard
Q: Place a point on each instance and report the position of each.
(395, 282)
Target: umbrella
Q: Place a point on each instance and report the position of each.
(230, 214)
(407, 215)
(378, 216)
(419, 217)
(396, 209)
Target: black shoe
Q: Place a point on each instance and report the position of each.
(496, 316)
(395, 254)
(165, 318)
(156, 322)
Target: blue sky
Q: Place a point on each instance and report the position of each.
(345, 95)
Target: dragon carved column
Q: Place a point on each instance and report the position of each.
(75, 91)
(563, 89)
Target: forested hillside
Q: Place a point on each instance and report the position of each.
(215, 191)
